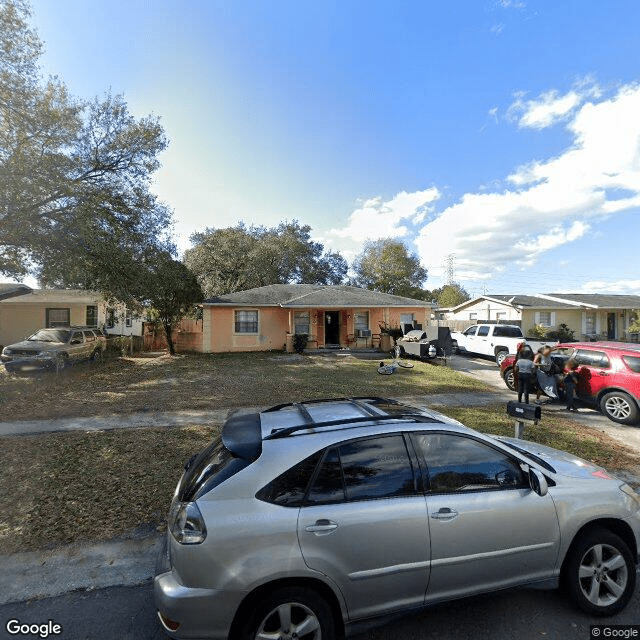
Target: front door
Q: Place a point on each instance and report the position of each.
(332, 327)
(488, 529)
(611, 326)
(365, 525)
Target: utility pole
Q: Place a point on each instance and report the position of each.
(449, 268)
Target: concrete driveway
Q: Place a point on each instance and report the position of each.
(487, 371)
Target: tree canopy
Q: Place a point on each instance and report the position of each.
(241, 257)
(450, 295)
(387, 266)
(75, 204)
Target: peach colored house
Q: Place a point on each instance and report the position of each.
(267, 318)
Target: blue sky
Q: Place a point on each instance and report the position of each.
(505, 133)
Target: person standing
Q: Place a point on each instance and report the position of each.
(571, 383)
(546, 379)
(524, 370)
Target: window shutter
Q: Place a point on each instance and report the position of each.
(553, 319)
(584, 323)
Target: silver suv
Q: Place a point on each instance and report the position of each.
(309, 519)
(55, 348)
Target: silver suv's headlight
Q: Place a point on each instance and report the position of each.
(625, 488)
(6, 352)
(186, 523)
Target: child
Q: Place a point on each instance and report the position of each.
(524, 370)
(570, 383)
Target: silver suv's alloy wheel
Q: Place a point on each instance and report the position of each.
(603, 575)
(290, 621)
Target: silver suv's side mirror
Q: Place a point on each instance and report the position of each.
(538, 482)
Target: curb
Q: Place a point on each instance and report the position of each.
(46, 574)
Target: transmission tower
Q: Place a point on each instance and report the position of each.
(449, 268)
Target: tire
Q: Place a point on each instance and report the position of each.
(501, 355)
(405, 364)
(454, 347)
(289, 611)
(510, 379)
(96, 356)
(619, 407)
(596, 562)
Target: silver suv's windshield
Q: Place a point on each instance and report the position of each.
(51, 335)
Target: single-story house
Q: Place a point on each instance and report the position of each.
(268, 317)
(26, 310)
(592, 316)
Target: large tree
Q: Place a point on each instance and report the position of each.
(75, 204)
(386, 265)
(170, 291)
(241, 257)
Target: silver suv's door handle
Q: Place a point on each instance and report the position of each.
(322, 526)
(444, 514)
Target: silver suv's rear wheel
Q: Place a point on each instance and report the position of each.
(291, 614)
(600, 573)
(619, 407)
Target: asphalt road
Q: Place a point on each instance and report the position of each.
(127, 613)
(487, 371)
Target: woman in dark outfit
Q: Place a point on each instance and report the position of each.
(524, 370)
(570, 384)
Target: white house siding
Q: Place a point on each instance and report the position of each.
(485, 310)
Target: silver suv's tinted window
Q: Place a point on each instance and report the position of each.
(364, 470)
(289, 489)
(458, 463)
(328, 485)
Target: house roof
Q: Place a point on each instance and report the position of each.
(57, 296)
(313, 296)
(601, 300)
(532, 301)
(12, 289)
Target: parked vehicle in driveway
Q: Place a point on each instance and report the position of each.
(310, 520)
(495, 340)
(55, 348)
(426, 343)
(608, 376)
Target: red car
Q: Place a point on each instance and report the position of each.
(608, 376)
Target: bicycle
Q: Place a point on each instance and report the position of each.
(397, 362)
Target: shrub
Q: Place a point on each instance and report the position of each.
(538, 331)
(300, 342)
(562, 334)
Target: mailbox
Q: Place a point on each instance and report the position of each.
(522, 411)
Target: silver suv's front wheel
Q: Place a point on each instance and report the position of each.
(600, 573)
(291, 614)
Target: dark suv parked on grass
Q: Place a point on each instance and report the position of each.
(608, 376)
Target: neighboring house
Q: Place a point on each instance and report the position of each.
(27, 310)
(331, 315)
(592, 316)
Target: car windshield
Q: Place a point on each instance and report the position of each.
(50, 335)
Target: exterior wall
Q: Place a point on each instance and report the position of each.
(19, 317)
(484, 310)
(219, 334)
(275, 327)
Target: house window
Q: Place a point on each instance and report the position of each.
(92, 316)
(301, 323)
(111, 318)
(545, 318)
(361, 321)
(473, 316)
(501, 315)
(246, 322)
(590, 324)
(58, 317)
(128, 318)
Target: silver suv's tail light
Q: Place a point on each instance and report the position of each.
(186, 523)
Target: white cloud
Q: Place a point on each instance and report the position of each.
(376, 218)
(549, 203)
(551, 107)
(631, 287)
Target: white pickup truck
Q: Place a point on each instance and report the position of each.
(496, 340)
